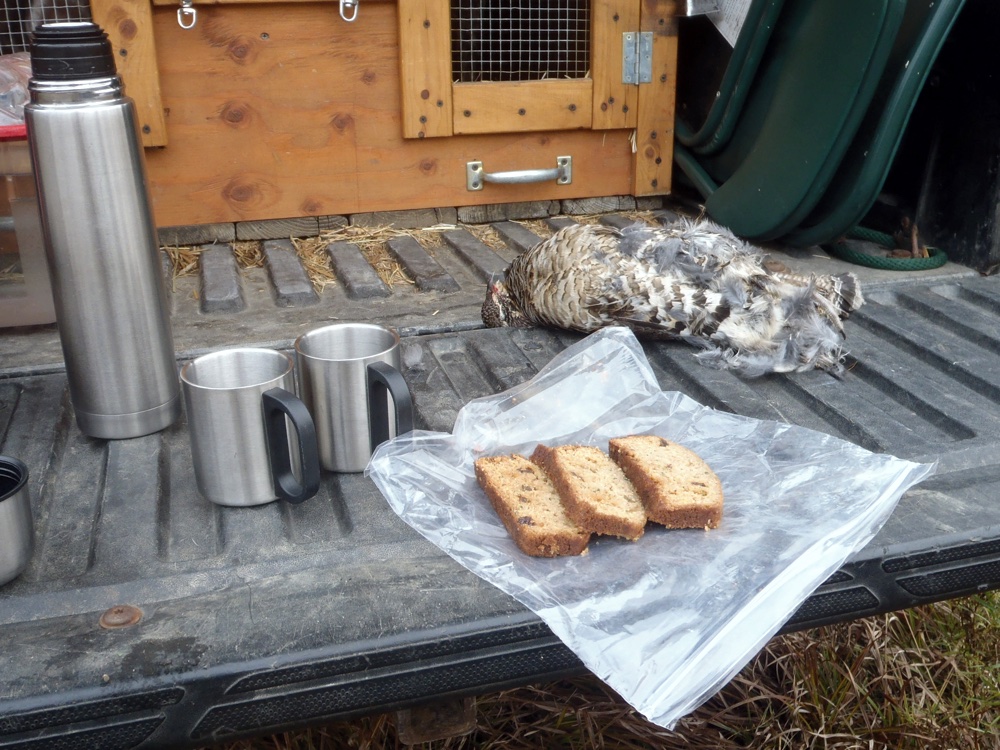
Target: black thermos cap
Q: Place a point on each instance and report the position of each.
(71, 51)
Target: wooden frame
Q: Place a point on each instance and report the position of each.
(434, 106)
(600, 101)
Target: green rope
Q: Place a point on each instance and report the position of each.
(937, 257)
(871, 235)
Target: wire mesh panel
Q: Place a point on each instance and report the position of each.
(19, 17)
(520, 41)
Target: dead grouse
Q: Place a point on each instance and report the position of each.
(692, 280)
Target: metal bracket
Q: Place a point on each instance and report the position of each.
(476, 177)
(698, 7)
(637, 57)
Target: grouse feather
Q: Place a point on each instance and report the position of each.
(691, 280)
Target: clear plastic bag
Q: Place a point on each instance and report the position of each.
(669, 619)
(15, 72)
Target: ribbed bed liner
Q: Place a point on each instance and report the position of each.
(257, 619)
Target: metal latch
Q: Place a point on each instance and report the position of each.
(349, 10)
(637, 57)
(476, 176)
(187, 16)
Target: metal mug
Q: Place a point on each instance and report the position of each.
(16, 529)
(239, 405)
(345, 373)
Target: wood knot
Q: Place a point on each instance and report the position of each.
(240, 193)
(241, 50)
(311, 207)
(128, 28)
(236, 114)
(245, 193)
(428, 166)
(342, 122)
(369, 77)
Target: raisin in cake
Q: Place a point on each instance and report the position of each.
(594, 491)
(529, 507)
(678, 489)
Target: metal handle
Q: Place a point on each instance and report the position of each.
(476, 177)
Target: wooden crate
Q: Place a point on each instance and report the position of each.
(269, 110)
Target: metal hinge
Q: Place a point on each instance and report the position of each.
(637, 57)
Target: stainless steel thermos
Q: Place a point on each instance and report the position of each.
(100, 238)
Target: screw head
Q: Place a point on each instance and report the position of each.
(120, 616)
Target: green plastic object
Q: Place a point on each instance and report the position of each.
(866, 165)
(739, 74)
(813, 86)
(812, 110)
(936, 257)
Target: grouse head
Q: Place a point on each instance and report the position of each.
(500, 309)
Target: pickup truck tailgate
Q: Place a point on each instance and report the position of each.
(220, 623)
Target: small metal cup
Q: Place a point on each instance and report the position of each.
(239, 405)
(17, 534)
(346, 373)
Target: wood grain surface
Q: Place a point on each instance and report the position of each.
(284, 110)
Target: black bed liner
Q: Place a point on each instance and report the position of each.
(260, 619)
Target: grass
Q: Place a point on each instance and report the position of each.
(924, 678)
(370, 240)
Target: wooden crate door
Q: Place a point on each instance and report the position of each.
(435, 105)
(654, 131)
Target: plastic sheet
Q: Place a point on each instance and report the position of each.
(669, 619)
(15, 72)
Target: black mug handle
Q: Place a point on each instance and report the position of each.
(279, 403)
(384, 379)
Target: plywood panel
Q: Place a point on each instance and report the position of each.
(278, 111)
(129, 26)
(601, 166)
(522, 106)
(615, 103)
(655, 128)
